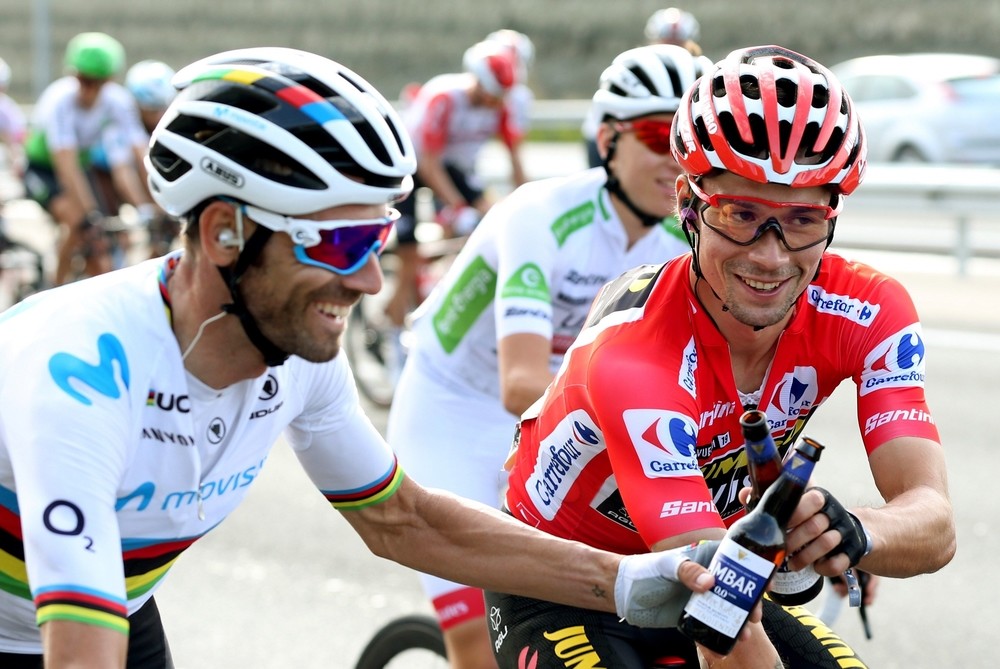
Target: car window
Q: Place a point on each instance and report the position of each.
(978, 88)
(877, 87)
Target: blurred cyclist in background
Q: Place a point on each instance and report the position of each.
(674, 26)
(491, 336)
(520, 97)
(665, 26)
(149, 83)
(75, 114)
(450, 120)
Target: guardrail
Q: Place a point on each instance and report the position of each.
(938, 209)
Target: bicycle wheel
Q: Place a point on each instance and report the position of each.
(371, 342)
(412, 641)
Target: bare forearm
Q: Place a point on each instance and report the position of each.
(73, 180)
(913, 534)
(73, 645)
(440, 534)
(431, 171)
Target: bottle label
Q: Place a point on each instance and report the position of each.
(740, 579)
(787, 582)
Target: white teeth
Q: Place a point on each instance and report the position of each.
(760, 285)
(333, 310)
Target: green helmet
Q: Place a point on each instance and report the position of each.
(95, 55)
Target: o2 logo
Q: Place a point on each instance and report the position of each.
(66, 368)
(897, 361)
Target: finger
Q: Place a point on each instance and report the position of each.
(695, 577)
(809, 505)
(744, 495)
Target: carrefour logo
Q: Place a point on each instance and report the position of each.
(562, 456)
(897, 361)
(855, 310)
(793, 398)
(665, 442)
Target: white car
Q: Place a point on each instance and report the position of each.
(927, 107)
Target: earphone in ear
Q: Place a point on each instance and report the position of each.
(226, 238)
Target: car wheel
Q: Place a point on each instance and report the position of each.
(909, 154)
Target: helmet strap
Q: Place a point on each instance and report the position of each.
(614, 187)
(273, 356)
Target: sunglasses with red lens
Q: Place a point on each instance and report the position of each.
(345, 250)
(341, 246)
(655, 135)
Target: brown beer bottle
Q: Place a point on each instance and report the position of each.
(763, 461)
(753, 548)
(788, 588)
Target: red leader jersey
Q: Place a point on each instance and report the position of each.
(638, 437)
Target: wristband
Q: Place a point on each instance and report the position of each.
(869, 543)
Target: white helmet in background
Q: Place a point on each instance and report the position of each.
(149, 83)
(672, 26)
(647, 80)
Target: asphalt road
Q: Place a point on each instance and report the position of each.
(285, 582)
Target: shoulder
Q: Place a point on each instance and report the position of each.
(857, 292)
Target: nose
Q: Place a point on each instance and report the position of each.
(769, 247)
(368, 278)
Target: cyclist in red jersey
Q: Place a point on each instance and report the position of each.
(636, 445)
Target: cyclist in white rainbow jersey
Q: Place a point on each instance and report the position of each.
(491, 336)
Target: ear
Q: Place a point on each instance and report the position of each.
(217, 233)
(605, 136)
(685, 205)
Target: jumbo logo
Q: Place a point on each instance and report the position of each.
(66, 368)
(664, 441)
(571, 645)
(794, 397)
(897, 361)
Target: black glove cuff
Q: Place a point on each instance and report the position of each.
(854, 541)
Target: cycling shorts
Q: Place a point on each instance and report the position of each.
(41, 184)
(468, 185)
(546, 635)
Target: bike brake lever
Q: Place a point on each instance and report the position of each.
(853, 588)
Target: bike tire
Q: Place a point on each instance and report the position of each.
(403, 641)
(370, 342)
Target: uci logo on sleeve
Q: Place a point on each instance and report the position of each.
(895, 362)
(664, 442)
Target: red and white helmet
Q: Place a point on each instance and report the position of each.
(672, 26)
(493, 65)
(771, 115)
(522, 46)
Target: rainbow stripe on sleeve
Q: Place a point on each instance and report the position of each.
(305, 100)
(68, 602)
(357, 498)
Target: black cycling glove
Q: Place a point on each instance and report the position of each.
(854, 539)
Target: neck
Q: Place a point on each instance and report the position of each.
(634, 228)
(222, 354)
